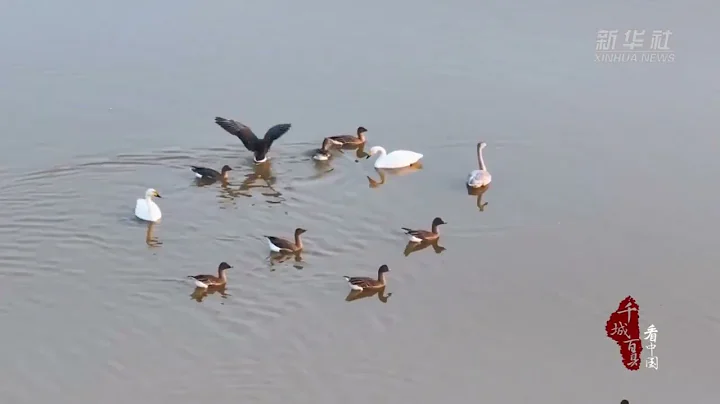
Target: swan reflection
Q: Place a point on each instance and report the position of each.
(201, 293)
(150, 240)
(479, 192)
(415, 247)
(395, 171)
(365, 293)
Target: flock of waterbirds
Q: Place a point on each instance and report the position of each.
(146, 209)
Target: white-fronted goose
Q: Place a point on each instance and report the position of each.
(210, 174)
(417, 236)
(363, 282)
(278, 244)
(343, 140)
(204, 281)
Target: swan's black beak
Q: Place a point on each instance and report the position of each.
(158, 196)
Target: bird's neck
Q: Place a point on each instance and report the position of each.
(298, 242)
(381, 277)
(222, 275)
(481, 161)
(435, 228)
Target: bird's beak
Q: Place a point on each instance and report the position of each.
(367, 157)
(157, 195)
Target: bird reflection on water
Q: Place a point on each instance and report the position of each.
(415, 247)
(479, 192)
(280, 257)
(150, 240)
(396, 171)
(260, 177)
(199, 294)
(365, 293)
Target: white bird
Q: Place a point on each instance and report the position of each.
(396, 159)
(479, 178)
(146, 209)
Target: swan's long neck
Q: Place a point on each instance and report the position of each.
(148, 199)
(381, 151)
(481, 161)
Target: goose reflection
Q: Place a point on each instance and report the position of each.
(479, 192)
(395, 171)
(201, 293)
(365, 293)
(280, 257)
(415, 247)
(150, 240)
(260, 173)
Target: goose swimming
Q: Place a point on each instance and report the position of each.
(278, 244)
(417, 236)
(146, 208)
(481, 177)
(360, 283)
(350, 140)
(396, 159)
(204, 281)
(323, 153)
(259, 147)
(210, 174)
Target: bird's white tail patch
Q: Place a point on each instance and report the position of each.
(260, 161)
(200, 284)
(415, 239)
(272, 246)
(320, 157)
(198, 175)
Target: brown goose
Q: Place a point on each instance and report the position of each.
(278, 244)
(210, 174)
(323, 153)
(203, 281)
(349, 139)
(259, 147)
(417, 236)
(361, 282)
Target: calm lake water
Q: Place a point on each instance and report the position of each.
(605, 185)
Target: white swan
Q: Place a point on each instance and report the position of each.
(479, 178)
(396, 159)
(146, 209)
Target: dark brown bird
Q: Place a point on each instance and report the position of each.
(259, 147)
(210, 174)
(323, 153)
(203, 281)
(278, 244)
(417, 236)
(349, 139)
(362, 282)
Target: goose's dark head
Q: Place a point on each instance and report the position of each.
(225, 169)
(438, 221)
(223, 266)
(299, 231)
(361, 130)
(383, 269)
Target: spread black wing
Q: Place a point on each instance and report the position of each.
(275, 132)
(243, 132)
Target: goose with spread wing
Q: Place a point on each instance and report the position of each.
(259, 147)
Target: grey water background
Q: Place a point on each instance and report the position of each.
(604, 186)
